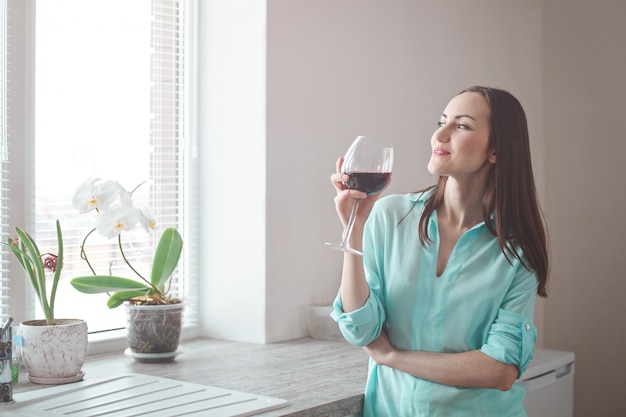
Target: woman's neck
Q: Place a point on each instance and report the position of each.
(462, 205)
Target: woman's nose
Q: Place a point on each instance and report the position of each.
(442, 134)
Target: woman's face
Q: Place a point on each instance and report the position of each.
(460, 146)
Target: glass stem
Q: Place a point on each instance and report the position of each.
(346, 239)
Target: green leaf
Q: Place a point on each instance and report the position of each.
(33, 257)
(166, 257)
(57, 273)
(27, 264)
(119, 297)
(95, 284)
(28, 255)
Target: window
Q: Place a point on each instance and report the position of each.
(112, 98)
(4, 157)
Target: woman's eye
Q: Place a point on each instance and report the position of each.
(441, 124)
(462, 126)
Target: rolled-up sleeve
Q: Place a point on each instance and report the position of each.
(361, 326)
(512, 336)
(511, 340)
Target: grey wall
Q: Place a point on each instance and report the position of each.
(338, 69)
(585, 103)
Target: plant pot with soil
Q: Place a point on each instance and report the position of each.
(153, 329)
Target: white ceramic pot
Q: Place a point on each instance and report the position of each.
(54, 354)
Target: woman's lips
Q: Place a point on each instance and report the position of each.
(440, 151)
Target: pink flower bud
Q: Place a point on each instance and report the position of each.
(50, 262)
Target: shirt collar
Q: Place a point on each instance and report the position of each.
(422, 196)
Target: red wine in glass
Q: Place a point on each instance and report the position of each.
(368, 182)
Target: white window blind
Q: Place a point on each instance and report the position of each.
(113, 99)
(4, 158)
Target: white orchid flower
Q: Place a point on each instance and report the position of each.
(96, 193)
(111, 222)
(147, 219)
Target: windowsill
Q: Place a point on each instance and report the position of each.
(316, 377)
(115, 340)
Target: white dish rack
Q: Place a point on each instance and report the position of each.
(131, 395)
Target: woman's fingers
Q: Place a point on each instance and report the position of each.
(344, 200)
(338, 178)
(338, 164)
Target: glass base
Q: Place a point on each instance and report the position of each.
(344, 248)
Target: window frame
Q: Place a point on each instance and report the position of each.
(20, 194)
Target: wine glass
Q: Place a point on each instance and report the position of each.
(368, 162)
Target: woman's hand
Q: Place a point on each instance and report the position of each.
(380, 349)
(345, 198)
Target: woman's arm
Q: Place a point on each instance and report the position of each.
(354, 288)
(472, 369)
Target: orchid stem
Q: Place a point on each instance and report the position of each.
(83, 254)
(119, 240)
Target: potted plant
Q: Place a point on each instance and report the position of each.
(154, 317)
(53, 349)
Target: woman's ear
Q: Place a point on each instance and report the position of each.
(492, 157)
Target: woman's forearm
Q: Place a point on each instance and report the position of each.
(472, 369)
(354, 288)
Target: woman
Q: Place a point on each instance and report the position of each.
(443, 298)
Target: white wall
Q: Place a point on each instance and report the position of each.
(231, 145)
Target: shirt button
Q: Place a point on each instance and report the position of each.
(527, 326)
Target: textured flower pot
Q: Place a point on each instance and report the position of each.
(153, 328)
(54, 352)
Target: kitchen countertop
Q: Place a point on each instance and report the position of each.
(317, 377)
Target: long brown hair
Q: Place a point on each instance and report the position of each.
(511, 196)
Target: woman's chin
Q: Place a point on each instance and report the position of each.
(434, 169)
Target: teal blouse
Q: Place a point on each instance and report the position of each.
(481, 301)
